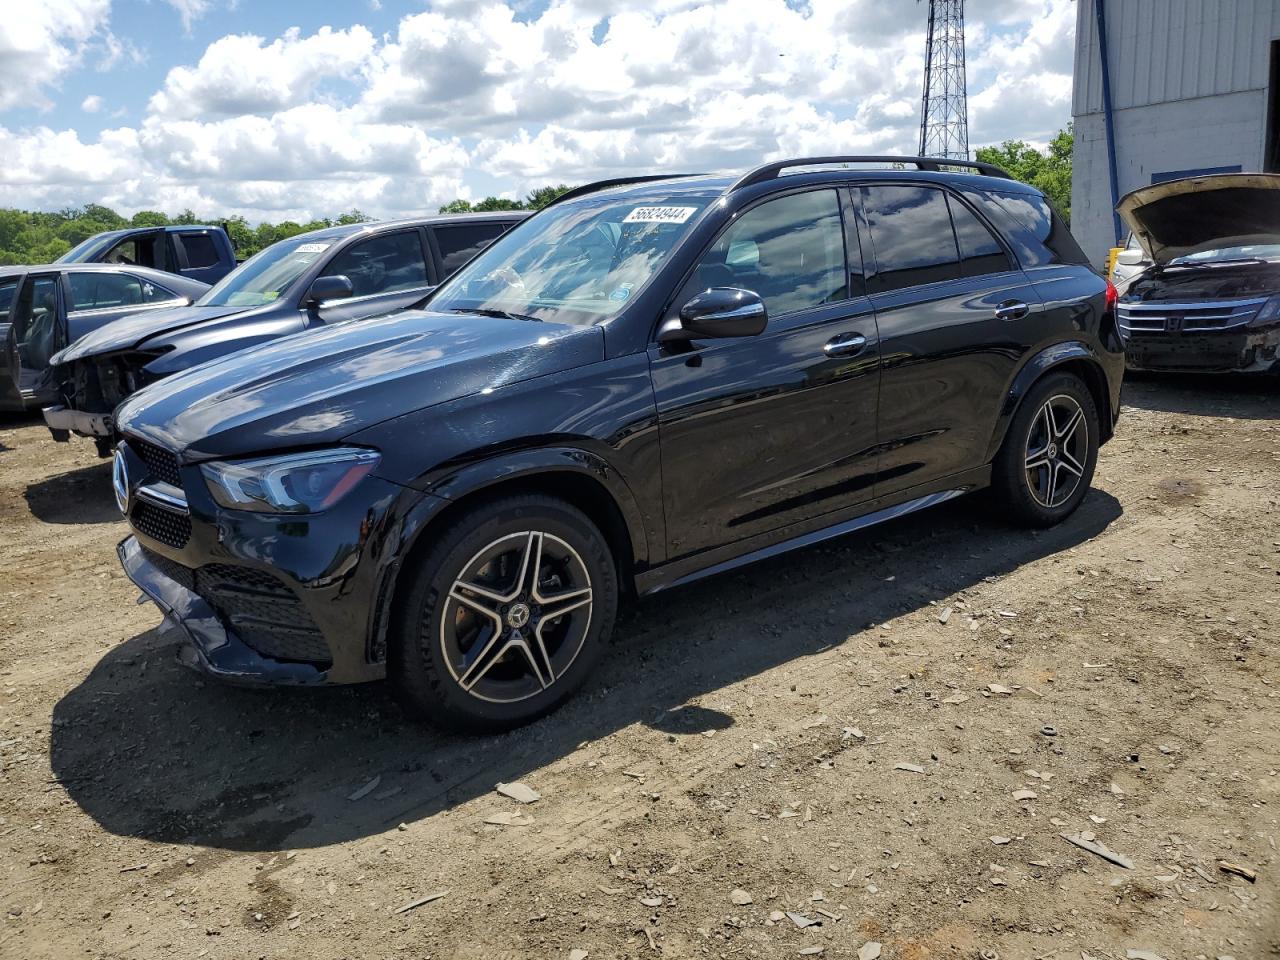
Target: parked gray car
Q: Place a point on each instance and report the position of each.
(45, 308)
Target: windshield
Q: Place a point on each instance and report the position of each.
(86, 249)
(579, 263)
(1251, 251)
(266, 275)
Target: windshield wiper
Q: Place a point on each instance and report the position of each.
(500, 314)
(1228, 262)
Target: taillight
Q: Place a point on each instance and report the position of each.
(1112, 296)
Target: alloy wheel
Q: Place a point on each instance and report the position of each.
(1057, 450)
(516, 617)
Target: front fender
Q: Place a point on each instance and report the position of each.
(1055, 355)
(546, 463)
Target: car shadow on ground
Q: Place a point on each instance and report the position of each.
(81, 496)
(1251, 397)
(149, 750)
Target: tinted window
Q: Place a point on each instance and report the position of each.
(8, 288)
(911, 235)
(460, 243)
(790, 251)
(100, 291)
(201, 250)
(980, 252)
(1038, 233)
(382, 264)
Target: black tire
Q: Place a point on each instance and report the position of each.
(439, 629)
(1021, 492)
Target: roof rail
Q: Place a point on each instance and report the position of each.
(770, 171)
(616, 182)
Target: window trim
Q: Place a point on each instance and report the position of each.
(670, 309)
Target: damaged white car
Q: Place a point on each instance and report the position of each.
(1210, 302)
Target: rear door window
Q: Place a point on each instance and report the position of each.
(104, 291)
(394, 261)
(911, 235)
(461, 242)
(201, 250)
(980, 252)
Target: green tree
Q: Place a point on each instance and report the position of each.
(353, 216)
(149, 218)
(456, 206)
(1049, 171)
(537, 199)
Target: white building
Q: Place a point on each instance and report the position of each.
(1194, 88)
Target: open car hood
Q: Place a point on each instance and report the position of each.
(1182, 217)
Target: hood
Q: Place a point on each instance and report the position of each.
(130, 332)
(320, 386)
(1182, 217)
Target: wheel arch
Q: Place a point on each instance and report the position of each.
(1072, 357)
(578, 478)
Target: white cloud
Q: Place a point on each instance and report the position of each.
(41, 44)
(190, 11)
(478, 96)
(91, 103)
(241, 74)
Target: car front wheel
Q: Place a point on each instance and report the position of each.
(1046, 464)
(506, 615)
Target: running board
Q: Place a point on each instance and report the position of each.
(808, 539)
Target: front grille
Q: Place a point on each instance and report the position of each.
(254, 605)
(161, 464)
(1197, 317)
(164, 526)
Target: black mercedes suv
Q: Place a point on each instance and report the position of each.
(650, 381)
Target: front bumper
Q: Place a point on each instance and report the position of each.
(63, 421)
(1231, 351)
(208, 646)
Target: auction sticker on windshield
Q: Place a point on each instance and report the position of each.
(313, 247)
(660, 214)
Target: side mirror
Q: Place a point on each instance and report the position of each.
(336, 287)
(717, 313)
(1131, 258)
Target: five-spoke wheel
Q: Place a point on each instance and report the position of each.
(505, 613)
(1046, 463)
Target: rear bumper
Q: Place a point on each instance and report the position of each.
(1233, 351)
(63, 421)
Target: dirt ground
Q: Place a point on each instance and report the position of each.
(1118, 675)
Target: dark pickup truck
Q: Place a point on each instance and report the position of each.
(201, 253)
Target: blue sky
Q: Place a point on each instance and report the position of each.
(287, 109)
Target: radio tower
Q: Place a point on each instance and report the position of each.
(944, 116)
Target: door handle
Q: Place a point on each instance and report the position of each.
(1012, 310)
(845, 345)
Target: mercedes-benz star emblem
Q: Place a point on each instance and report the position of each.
(120, 481)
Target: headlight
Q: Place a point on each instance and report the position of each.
(294, 483)
(1269, 313)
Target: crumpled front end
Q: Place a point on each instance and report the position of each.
(90, 388)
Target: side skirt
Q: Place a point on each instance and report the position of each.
(719, 560)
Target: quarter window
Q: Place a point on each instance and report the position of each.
(790, 251)
(911, 235)
(980, 252)
(382, 264)
(460, 243)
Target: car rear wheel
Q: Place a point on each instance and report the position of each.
(505, 616)
(1046, 464)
